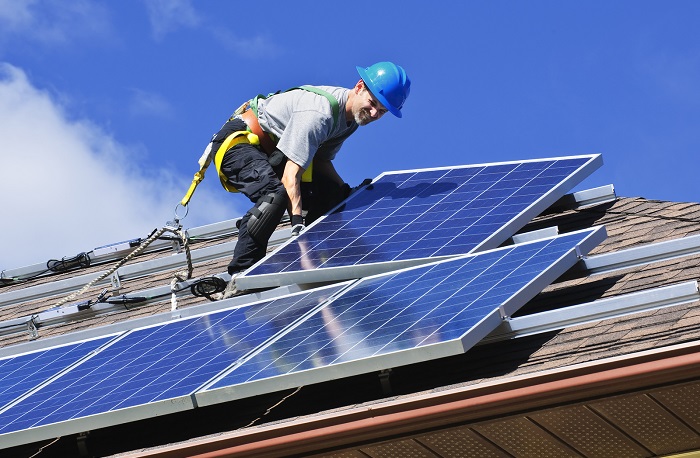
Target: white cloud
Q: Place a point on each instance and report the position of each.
(169, 15)
(254, 47)
(144, 103)
(15, 14)
(68, 186)
(54, 22)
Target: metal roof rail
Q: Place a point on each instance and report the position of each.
(130, 271)
(602, 309)
(535, 235)
(72, 312)
(645, 254)
(208, 231)
(583, 199)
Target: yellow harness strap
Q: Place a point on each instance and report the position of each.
(198, 177)
(241, 136)
(204, 162)
(308, 173)
(232, 140)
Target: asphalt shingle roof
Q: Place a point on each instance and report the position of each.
(630, 222)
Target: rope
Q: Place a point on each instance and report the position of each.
(186, 246)
(181, 275)
(133, 254)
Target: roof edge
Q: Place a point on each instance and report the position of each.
(414, 414)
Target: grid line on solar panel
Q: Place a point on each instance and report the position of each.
(432, 304)
(159, 362)
(21, 374)
(424, 214)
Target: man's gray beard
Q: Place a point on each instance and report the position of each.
(362, 120)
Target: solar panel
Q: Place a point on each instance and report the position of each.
(155, 368)
(407, 316)
(21, 374)
(421, 313)
(404, 217)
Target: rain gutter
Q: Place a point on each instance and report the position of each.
(415, 414)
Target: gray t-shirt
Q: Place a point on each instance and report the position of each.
(303, 122)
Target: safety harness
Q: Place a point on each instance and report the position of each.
(255, 136)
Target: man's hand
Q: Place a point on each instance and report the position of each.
(365, 182)
(297, 225)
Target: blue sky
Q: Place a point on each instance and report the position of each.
(105, 107)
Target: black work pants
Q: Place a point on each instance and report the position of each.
(321, 195)
(248, 170)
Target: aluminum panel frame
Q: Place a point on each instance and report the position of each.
(248, 279)
(470, 337)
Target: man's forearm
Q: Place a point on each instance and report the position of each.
(291, 179)
(294, 193)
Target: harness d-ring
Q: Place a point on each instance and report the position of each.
(187, 210)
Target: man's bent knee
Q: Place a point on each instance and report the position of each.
(266, 215)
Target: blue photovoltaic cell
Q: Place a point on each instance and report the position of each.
(424, 214)
(410, 309)
(20, 374)
(158, 362)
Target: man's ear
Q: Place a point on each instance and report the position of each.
(359, 86)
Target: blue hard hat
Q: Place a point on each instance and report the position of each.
(389, 83)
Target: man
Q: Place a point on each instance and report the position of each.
(296, 131)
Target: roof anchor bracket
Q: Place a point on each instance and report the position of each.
(116, 281)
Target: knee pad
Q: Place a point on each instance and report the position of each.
(266, 215)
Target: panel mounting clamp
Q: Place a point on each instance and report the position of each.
(32, 328)
(384, 375)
